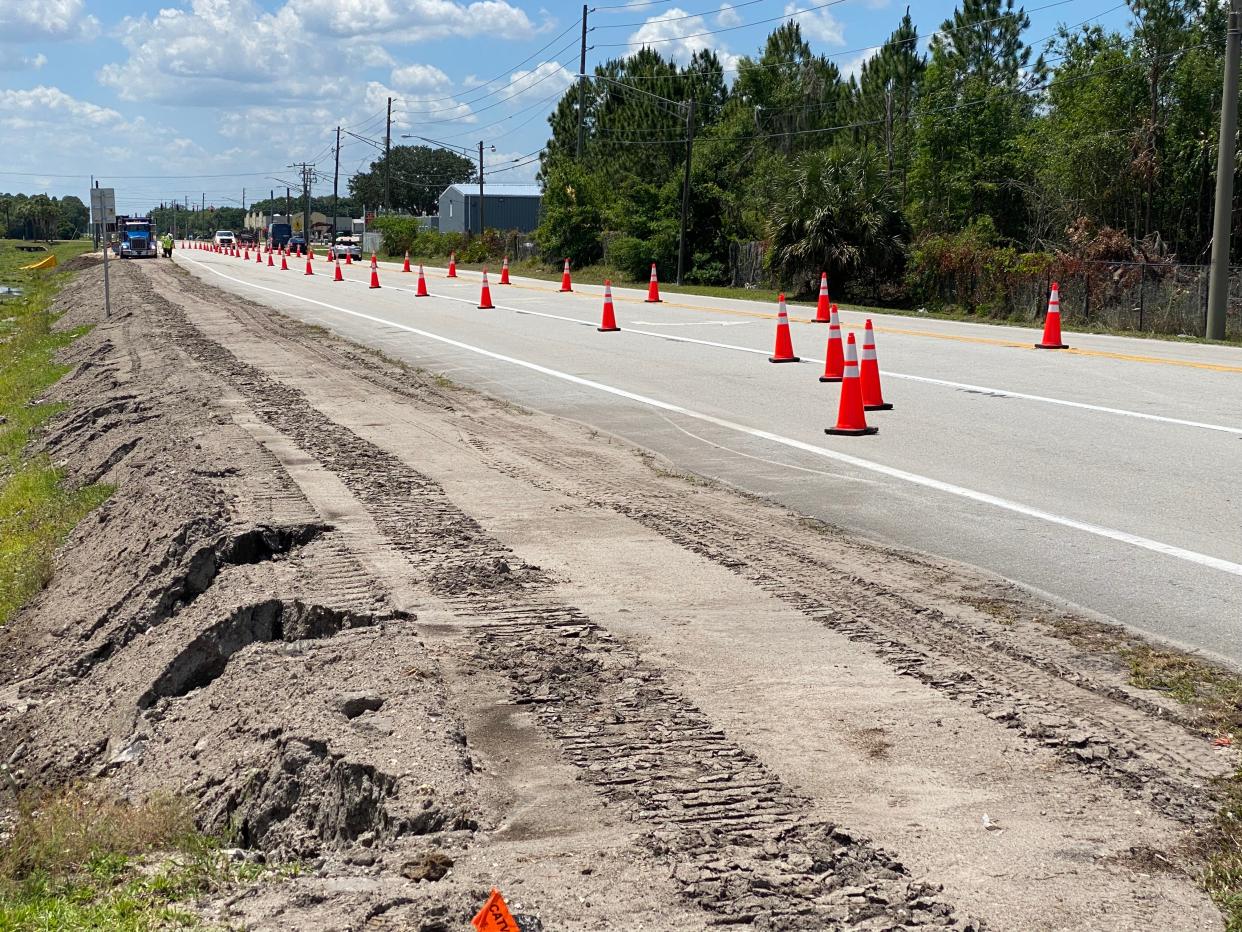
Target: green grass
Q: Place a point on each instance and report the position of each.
(595, 275)
(12, 258)
(37, 510)
(77, 861)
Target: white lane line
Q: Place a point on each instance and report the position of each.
(1134, 540)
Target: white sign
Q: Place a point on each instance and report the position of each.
(103, 205)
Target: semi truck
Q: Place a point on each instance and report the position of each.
(135, 238)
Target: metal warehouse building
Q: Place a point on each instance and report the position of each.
(505, 207)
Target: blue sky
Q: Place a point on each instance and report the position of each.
(216, 96)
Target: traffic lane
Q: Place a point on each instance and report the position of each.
(1194, 394)
(1161, 595)
(995, 334)
(967, 439)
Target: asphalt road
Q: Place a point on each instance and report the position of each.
(1106, 477)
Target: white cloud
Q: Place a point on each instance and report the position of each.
(44, 20)
(412, 20)
(852, 67)
(545, 79)
(678, 36)
(51, 105)
(820, 25)
(727, 16)
(11, 61)
(415, 77)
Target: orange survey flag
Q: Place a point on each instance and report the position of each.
(495, 915)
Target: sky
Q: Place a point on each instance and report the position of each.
(214, 99)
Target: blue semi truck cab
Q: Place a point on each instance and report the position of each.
(135, 238)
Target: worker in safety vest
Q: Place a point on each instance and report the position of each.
(167, 243)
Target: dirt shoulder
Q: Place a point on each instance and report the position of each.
(424, 643)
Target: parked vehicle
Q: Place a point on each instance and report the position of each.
(224, 238)
(248, 237)
(296, 241)
(135, 238)
(278, 234)
(347, 245)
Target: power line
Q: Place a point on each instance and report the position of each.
(715, 32)
(674, 19)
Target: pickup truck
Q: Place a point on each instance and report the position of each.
(224, 238)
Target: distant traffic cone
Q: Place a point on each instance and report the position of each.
(258, 256)
(504, 272)
(784, 344)
(337, 276)
(609, 322)
(406, 267)
(270, 263)
(348, 260)
(1052, 323)
(452, 272)
(247, 255)
(485, 296)
(823, 308)
(851, 417)
(284, 265)
(422, 284)
(374, 276)
(653, 287)
(869, 374)
(566, 284)
(310, 253)
(834, 362)
(309, 270)
(374, 263)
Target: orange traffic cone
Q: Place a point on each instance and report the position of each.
(247, 255)
(452, 272)
(374, 264)
(258, 256)
(374, 276)
(834, 363)
(309, 270)
(270, 263)
(406, 267)
(869, 374)
(504, 272)
(653, 287)
(823, 309)
(566, 284)
(1052, 323)
(422, 284)
(284, 265)
(851, 418)
(338, 277)
(609, 322)
(348, 260)
(485, 297)
(784, 344)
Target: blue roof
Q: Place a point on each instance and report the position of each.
(497, 190)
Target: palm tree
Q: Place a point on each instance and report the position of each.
(837, 214)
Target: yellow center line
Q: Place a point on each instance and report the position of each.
(901, 331)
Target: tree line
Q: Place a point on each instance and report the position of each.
(37, 216)
(991, 146)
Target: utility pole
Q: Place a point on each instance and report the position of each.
(308, 172)
(1222, 221)
(685, 190)
(288, 208)
(582, 82)
(482, 226)
(336, 177)
(387, 160)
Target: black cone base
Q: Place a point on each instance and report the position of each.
(854, 432)
(883, 407)
(784, 359)
(608, 329)
(1052, 346)
(829, 378)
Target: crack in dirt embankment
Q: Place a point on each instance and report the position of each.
(214, 632)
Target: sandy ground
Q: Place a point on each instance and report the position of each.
(427, 643)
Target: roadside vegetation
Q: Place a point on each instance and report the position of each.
(74, 860)
(37, 509)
